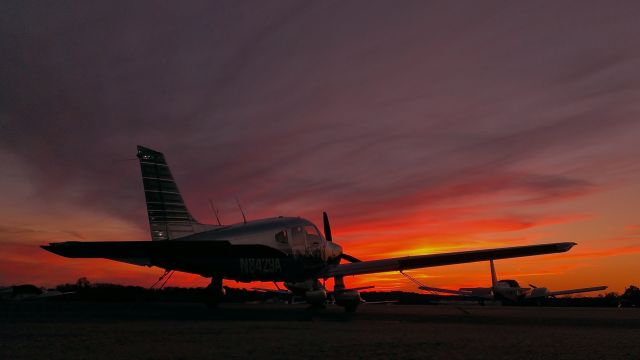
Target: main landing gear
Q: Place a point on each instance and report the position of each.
(347, 298)
(214, 293)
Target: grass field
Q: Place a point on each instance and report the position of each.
(59, 330)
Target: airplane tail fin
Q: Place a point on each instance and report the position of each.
(169, 217)
(494, 277)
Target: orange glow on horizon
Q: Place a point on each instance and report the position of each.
(603, 241)
(389, 241)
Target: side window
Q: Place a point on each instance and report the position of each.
(281, 237)
(297, 237)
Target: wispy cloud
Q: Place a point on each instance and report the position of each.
(419, 127)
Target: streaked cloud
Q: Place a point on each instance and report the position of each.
(419, 126)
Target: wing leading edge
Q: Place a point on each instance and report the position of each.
(577, 291)
(422, 261)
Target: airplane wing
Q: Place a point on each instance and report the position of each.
(144, 252)
(422, 261)
(577, 291)
(445, 291)
(48, 294)
(273, 291)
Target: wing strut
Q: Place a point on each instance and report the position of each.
(166, 276)
(413, 280)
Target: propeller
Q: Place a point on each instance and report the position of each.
(327, 227)
(327, 235)
(350, 258)
(533, 286)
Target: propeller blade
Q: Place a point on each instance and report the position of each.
(350, 258)
(533, 286)
(327, 235)
(327, 227)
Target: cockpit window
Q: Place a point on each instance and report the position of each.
(313, 235)
(281, 237)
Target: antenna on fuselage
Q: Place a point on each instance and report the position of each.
(241, 211)
(216, 212)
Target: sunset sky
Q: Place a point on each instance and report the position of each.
(419, 126)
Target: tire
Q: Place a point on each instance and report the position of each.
(351, 308)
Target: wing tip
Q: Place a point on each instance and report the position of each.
(566, 246)
(50, 248)
(59, 248)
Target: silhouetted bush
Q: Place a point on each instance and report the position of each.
(630, 297)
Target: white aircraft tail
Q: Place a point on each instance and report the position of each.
(494, 277)
(169, 217)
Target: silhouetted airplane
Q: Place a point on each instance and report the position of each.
(28, 292)
(288, 249)
(507, 291)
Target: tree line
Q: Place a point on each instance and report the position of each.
(84, 290)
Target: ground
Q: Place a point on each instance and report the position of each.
(69, 330)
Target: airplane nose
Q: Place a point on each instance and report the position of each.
(334, 251)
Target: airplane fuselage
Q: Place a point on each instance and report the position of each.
(274, 249)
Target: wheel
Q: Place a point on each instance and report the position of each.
(214, 293)
(350, 308)
(317, 307)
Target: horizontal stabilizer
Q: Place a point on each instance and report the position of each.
(147, 253)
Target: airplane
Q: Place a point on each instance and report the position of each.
(279, 249)
(292, 297)
(508, 292)
(27, 292)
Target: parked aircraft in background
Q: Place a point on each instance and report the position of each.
(286, 249)
(506, 291)
(27, 292)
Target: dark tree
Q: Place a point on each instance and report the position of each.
(83, 283)
(631, 296)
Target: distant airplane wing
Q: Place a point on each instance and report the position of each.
(445, 291)
(422, 261)
(48, 294)
(382, 302)
(144, 253)
(576, 291)
(273, 291)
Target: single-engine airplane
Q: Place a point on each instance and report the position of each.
(286, 249)
(508, 292)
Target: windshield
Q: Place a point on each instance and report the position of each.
(313, 235)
